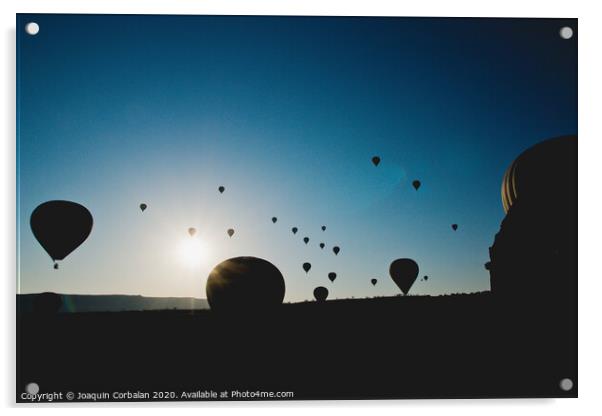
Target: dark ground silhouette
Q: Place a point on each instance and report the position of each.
(392, 347)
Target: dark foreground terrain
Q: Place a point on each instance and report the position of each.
(413, 347)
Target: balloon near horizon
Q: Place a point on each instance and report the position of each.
(245, 284)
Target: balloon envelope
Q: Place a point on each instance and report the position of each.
(426, 278)
(404, 273)
(192, 231)
(306, 240)
(320, 293)
(376, 160)
(416, 184)
(332, 276)
(230, 232)
(244, 284)
(274, 219)
(306, 267)
(221, 189)
(323, 228)
(60, 227)
(336, 250)
(454, 227)
(142, 207)
(322, 245)
(294, 230)
(373, 281)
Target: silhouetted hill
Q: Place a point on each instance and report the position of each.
(114, 303)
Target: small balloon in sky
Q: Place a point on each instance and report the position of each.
(425, 278)
(332, 276)
(416, 184)
(404, 273)
(322, 245)
(294, 230)
(230, 232)
(221, 189)
(306, 240)
(454, 227)
(192, 231)
(142, 207)
(323, 228)
(274, 219)
(373, 281)
(375, 160)
(320, 293)
(336, 250)
(306, 267)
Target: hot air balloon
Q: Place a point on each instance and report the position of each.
(192, 231)
(404, 273)
(336, 250)
(306, 267)
(221, 189)
(306, 240)
(454, 227)
(142, 207)
(230, 232)
(274, 219)
(425, 278)
(322, 245)
(416, 184)
(332, 276)
(60, 227)
(244, 285)
(320, 293)
(373, 281)
(376, 160)
(294, 230)
(323, 228)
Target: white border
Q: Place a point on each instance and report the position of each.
(590, 181)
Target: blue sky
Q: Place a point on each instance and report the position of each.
(286, 113)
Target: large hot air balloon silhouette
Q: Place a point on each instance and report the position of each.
(306, 267)
(274, 219)
(332, 276)
(375, 160)
(320, 293)
(416, 184)
(294, 230)
(373, 281)
(230, 232)
(336, 250)
(306, 240)
(454, 227)
(60, 227)
(143, 207)
(404, 273)
(322, 245)
(221, 189)
(192, 231)
(245, 285)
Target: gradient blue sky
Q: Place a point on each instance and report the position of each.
(286, 113)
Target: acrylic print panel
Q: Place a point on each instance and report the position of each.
(290, 208)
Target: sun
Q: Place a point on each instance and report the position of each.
(192, 252)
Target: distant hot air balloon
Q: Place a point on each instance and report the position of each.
(294, 230)
(336, 250)
(323, 228)
(142, 207)
(404, 273)
(416, 184)
(306, 267)
(332, 276)
(306, 240)
(274, 219)
(230, 232)
(376, 160)
(320, 293)
(454, 227)
(373, 281)
(322, 245)
(192, 231)
(425, 278)
(221, 189)
(60, 227)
